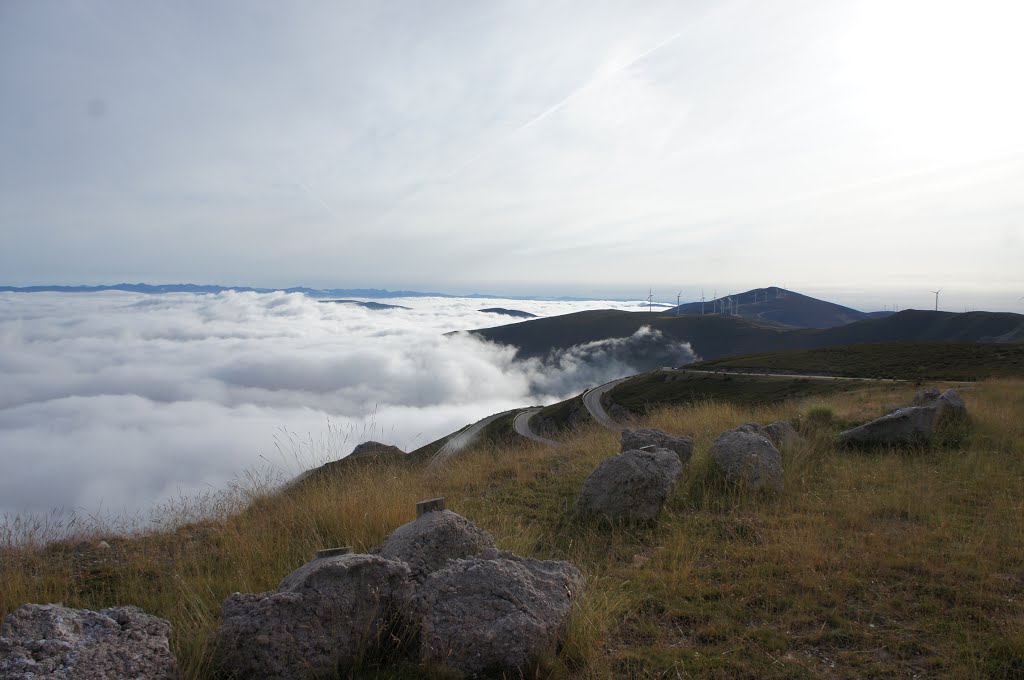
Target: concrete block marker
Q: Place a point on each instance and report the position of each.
(431, 505)
(331, 552)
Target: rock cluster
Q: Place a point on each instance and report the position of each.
(745, 456)
(644, 436)
(634, 484)
(54, 641)
(930, 413)
(436, 583)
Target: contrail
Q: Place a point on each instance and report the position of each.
(565, 100)
(315, 197)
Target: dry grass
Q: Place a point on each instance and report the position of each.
(889, 564)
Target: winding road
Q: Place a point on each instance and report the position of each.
(463, 439)
(592, 401)
(521, 425)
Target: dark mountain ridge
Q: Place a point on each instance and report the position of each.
(779, 306)
(714, 336)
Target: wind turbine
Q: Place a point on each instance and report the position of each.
(937, 298)
(714, 302)
(702, 301)
(678, 295)
(650, 299)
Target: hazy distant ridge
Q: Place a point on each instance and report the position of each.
(309, 292)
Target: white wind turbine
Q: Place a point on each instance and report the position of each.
(937, 298)
(678, 296)
(702, 301)
(650, 299)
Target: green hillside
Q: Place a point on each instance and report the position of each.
(714, 336)
(901, 360)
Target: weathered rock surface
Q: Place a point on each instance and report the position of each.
(949, 407)
(54, 641)
(323, 618)
(372, 448)
(632, 485)
(495, 613)
(645, 436)
(778, 433)
(747, 457)
(429, 541)
(914, 425)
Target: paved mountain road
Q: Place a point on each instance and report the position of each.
(464, 439)
(592, 401)
(522, 427)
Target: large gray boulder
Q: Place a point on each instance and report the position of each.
(779, 433)
(748, 458)
(632, 485)
(495, 613)
(323, 618)
(54, 641)
(914, 425)
(645, 436)
(429, 541)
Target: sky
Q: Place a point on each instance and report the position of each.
(114, 403)
(867, 152)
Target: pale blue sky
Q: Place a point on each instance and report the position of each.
(864, 151)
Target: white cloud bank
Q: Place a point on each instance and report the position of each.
(113, 402)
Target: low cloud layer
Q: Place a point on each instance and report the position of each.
(114, 402)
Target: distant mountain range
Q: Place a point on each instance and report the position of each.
(309, 292)
(714, 335)
(779, 306)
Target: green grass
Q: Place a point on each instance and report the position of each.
(679, 388)
(889, 564)
(901, 360)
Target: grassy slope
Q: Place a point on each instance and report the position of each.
(883, 565)
(676, 388)
(907, 361)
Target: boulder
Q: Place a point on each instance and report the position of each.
(778, 433)
(949, 407)
(641, 437)
(429, 541)
(54, 641)
(632, 485)
(909, 426)
(324, 617)
(495, 613)
(914, 425)
(744, 456)
(925, 396)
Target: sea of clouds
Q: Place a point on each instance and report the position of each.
(113, 402)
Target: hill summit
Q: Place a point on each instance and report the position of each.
(777, 306)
